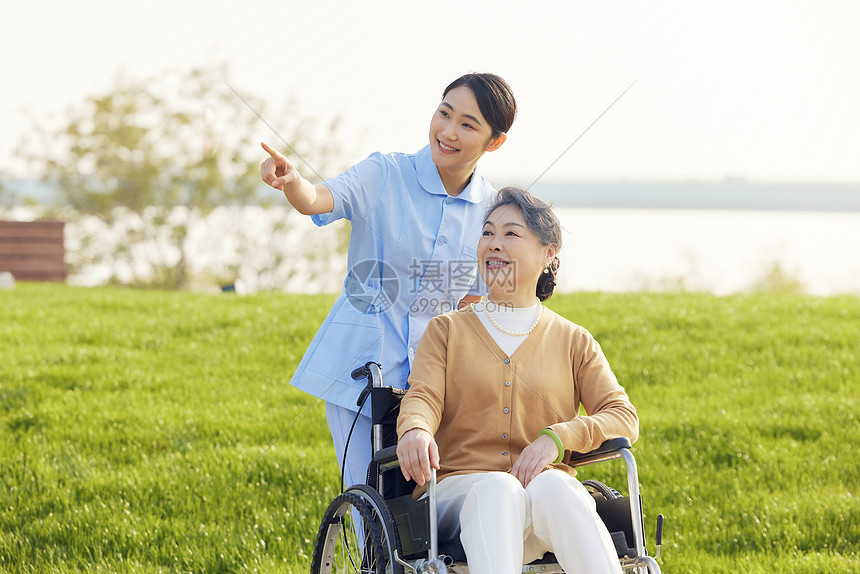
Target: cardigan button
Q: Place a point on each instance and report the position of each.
(505, 436)
(504, 453)
(507, 410)
(507, 383)
(507, 361)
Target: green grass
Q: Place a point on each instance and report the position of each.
(129, 419)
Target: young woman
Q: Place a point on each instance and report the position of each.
(415, 219)
(493, 405)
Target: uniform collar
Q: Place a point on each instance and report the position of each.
(428, 177)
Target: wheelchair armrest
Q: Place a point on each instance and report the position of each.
(386, 458)
(601, 453)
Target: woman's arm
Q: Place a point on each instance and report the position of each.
(422, 407)
(305, 197)
(610, 414)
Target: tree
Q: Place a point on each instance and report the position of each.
(167, 151)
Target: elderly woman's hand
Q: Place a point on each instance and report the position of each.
(417, 452)
(534, 459)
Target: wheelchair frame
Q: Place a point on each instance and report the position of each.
(366, 531)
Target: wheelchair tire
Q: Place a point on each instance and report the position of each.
(344, 547)
(596, 487)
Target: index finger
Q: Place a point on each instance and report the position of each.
(272, 151)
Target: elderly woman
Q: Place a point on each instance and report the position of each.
(494, 405)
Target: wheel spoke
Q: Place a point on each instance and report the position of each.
(354, 538)
(349, 546)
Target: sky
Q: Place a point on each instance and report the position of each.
(765, 90)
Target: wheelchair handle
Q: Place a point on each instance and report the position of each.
(364, 370)
(360, 372)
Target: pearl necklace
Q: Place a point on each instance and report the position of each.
(508, 331)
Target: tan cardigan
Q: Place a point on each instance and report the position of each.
(484, 407)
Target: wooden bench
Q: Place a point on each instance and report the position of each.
(33, 250)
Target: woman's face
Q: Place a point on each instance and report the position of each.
(511, 257)
(459, 134)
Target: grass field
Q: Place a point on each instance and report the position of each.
(135, 428)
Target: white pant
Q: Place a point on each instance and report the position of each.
(503, 525)
(359, 452)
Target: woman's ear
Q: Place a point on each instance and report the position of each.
(496, 142)
(551, 252)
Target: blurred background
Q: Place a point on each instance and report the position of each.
(731, 164)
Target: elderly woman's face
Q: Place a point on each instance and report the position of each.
(510, 256)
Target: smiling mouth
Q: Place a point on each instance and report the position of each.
(446, 147)
(496, 264)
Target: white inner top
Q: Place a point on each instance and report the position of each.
(516, 319)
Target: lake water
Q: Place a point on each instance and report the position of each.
(708, 250)
(717, 251)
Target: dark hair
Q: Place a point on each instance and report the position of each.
(542, 221)
(495, 99)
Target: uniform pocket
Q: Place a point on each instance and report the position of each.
(469, 252)
(464, 271)
(351, 339)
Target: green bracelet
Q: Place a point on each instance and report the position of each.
(551, 434)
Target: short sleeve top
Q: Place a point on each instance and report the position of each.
(412, 255)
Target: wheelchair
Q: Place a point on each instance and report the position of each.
(378, 528)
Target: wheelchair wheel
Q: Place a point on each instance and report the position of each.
(357, 536)
(595, 487)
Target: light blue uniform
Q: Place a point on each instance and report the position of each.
(412, 255)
